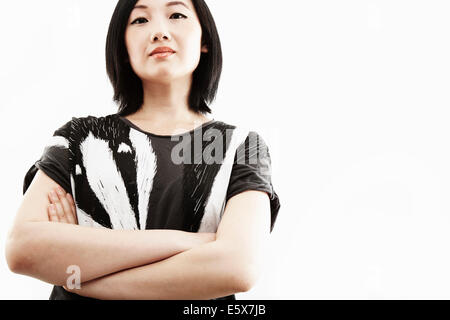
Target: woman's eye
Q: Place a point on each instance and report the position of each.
(173, 15)
(179, 14)
(138, 19)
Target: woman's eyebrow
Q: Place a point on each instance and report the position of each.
(168, 4)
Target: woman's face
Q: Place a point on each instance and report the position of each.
(162, 23)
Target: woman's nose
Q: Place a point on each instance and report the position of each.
(160, 36)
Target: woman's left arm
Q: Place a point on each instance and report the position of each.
(228, 265)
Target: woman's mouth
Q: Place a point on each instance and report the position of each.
(162, 54)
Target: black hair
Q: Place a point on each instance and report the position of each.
(128, 91)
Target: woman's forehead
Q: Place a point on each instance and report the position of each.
(149, 4)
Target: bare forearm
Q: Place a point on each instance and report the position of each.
(49, 248)
(203, 272)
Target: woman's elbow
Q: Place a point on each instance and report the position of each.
(22, 249)
(243, 273)
(247, 279)
(11, 257)
(17, 250)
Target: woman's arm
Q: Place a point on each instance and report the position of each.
(204, 272)
(228, 265)
(44, 250)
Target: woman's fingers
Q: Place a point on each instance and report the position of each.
(68, 212)
(72, 207)
(64, 203)
(52, 213)
(58, 208)
(62, 206)
(60, 212)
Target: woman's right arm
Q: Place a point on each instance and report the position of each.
(44, 250)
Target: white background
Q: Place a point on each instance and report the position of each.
(352, 98)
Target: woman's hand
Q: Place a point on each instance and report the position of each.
(62, 207)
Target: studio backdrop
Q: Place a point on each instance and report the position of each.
(351, 98)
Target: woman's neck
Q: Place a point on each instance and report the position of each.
(167, 102)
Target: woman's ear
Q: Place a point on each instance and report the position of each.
(204, 48)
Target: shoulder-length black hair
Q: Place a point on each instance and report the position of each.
(128, 91)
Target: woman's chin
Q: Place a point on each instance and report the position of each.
(163, 77)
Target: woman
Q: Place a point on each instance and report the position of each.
(111, 196)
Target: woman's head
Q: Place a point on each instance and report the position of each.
(139, 26)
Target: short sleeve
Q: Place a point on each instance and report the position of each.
(251, 170)
(55, 160)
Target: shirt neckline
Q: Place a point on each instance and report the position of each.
(133, 126)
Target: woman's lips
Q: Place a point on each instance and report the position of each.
(162, 54)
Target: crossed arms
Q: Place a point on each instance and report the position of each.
(144, 264)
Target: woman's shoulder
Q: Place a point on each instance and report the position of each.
(91, 119)
(241, 136)
(93, 123)
(104, 127)
(243, 130)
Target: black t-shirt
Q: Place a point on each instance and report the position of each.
(122, 177)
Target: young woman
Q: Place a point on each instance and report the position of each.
(113, 198)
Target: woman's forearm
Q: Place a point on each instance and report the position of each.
(44, 250)
(203, 272)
